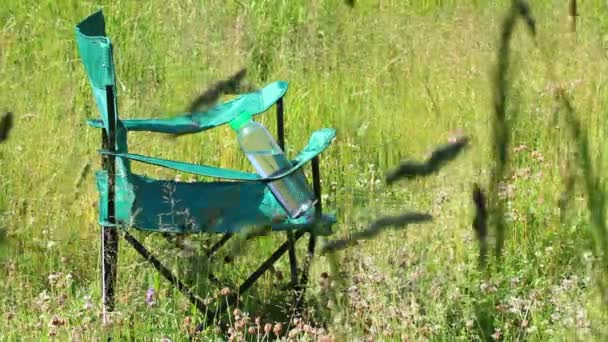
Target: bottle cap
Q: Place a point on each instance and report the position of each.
(240, 121)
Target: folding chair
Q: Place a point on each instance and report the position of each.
(128, 200)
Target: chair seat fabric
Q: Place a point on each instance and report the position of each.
(201, 207)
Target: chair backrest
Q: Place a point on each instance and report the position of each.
(95, 50)
(96, 53)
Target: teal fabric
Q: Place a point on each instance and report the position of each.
(254, 103)
(204, 207)
(318, 142)
(180, 207)
(96, 53)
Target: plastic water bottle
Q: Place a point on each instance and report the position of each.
(268, 159)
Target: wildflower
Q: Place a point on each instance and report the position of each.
(581, 319)
(76, 334)
(225, 291)
(501, 308)
(236, 313)
(57, 321)
(53, 277)
(150, 297)
(42, 300)
(497, 335)
(267, 328)
(252, 330)
(425, 330)
(538, 156)
(187, 324)
(11, 267)
(441, 197)
(324, 282)
(487, 287)
(293, 333)
(520, 148)
(278, 328)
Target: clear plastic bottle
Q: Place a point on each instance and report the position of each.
(268, 159)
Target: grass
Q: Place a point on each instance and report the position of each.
(395, 79)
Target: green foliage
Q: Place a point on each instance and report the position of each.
(394, 78)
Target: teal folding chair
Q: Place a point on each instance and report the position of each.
(131, 201)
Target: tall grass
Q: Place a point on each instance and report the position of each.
(394, 78)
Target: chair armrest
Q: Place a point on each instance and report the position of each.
(255, 103)
(318, 142)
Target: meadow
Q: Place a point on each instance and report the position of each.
(395, 79)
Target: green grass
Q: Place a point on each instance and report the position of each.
(394, 79)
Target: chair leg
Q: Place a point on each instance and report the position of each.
(109, 255)
(109, 234)
(253, 277)
(219, 244)
(268, 263)
(301, 288)
(312, 241)
(165, 272)
(293, 261)
(215, 280)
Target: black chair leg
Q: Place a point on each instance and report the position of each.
(312, 241)
(253, 277)
(109, 255)
(109, 234)
(165, 272)
(293, 261)
(301, 288)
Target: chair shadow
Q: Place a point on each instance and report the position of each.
(270, 300)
